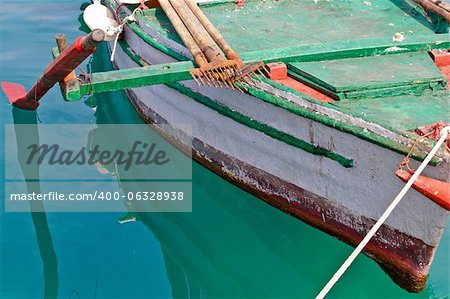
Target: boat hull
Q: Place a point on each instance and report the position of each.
(400, 247)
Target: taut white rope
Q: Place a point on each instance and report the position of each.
(444, 133)
(118, 30)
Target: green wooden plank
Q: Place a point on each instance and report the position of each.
(365, 73)
(349, 49)
(400, 113)
(419, 89)
(416, 89)
(131, 78)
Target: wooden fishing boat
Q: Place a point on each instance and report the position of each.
(321, 141)
(350, 88)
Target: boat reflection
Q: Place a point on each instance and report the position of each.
(43, 234)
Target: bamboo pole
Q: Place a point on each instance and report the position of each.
(184, 33)
(226, 48)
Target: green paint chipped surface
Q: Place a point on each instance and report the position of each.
(401, 113)
(262, 25)
(375, 72)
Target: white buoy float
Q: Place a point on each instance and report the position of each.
(98, 16)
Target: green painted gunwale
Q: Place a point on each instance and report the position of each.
(336, 50)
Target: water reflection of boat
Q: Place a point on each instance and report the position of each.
(43, 234)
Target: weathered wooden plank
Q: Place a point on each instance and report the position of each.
(349, 49)
(354, 77)
(131, 78)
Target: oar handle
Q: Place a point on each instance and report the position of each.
(206, 43)
(217, 37)
(434, 8)
(184, 33)
(59, 68)
(91, 41)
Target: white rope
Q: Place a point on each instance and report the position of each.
(118, 30)
(444, 133)
(116, 39)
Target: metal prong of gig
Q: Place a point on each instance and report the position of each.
(226, 84)
(260, 72)
(230, 83)
(219, 82)
(206, 79)
(213, 80)
(219, 78)
(232, 71)
(243, 81)
(244, 84)
(237, 86)
(227, 80)
(267, 70)
(255, 75)
(196, 80)
(227, 72)
(201, 80)
(236, 70)
(224, 79)
(250, 79)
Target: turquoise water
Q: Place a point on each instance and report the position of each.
(231, 245)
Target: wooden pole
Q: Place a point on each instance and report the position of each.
(434, 8)
(444, 5)
(61, 42)
(184, 33)
(201, 36)
(55, 72)
(226, 48)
